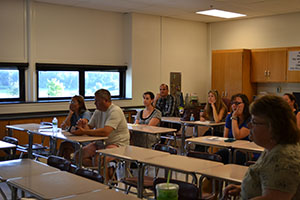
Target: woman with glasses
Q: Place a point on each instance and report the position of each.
(236, 126)
(149, 116)
(276, 174)
(77, 110)
(291, 100)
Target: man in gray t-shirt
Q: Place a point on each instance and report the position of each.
(107, 121)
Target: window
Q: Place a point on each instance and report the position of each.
(62, 81)
(12, 82)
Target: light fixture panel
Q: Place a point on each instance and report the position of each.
(220, 13)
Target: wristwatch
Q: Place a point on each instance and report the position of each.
(235, 118)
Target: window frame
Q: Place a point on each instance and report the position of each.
(81, 69)
(22, 89)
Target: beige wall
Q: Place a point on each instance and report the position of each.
(151, 46)
(264, 32)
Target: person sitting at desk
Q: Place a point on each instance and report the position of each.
(236, 126)
(165, 102)
(77, 110)
(276, 174)
(107, 121)
(214, 110)
(149, 116)
(291, 100)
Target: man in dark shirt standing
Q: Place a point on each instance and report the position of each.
(165, 102)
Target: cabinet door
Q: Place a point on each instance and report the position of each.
(292, 76)
(259, 61)
(218, 60)
(233, 73)
(277, 65)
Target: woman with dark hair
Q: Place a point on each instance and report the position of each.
(236, 126)
(276, 174)
(77, 110)
(291, 100)
(149, 116)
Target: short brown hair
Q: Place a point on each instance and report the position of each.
(104, 94)
(280, 117)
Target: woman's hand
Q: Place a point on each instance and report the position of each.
(231, 191)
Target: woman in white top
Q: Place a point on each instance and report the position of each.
(149, 116)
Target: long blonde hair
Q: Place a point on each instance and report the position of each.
(208, 112)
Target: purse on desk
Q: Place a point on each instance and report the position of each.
(189, 111)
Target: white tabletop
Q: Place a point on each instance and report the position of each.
(247, 146)
(64, 135)
(149, 129)
(101, 194)
(177, 120)
(55, 184)
(6, 145)
(231, 172)
(22, 168)
(27, 127)
(182, 163)
(211, 141)
(132, 153)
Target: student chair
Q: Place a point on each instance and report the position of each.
(205, 192)
(59, 163)
(187, 191)
(12, 140)
(90, 174)
(148, 181)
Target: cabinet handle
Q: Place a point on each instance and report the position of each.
(269, 73)
(266, 74)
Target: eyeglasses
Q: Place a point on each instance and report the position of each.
(254, 123)
(236, 103)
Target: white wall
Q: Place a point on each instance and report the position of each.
(151, 46)
(264, 32)
(12, 31)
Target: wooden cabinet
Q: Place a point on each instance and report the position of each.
(292, 76)
(268, 65)
(231, 72)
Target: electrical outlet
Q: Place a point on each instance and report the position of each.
(278, 89)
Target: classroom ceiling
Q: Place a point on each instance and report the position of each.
(185, 9)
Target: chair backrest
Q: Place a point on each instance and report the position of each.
(90, 174)
(187, 191)
(205, 156)
(165, 148)
(11, 140)
(227, 103)
(59, 162)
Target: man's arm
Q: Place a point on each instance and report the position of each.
(101, 132)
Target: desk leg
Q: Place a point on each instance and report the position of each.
(14, 193)
(104, 170)
(183, 140)
(140, 183)
(10, 132)
(212, 130)
(30, 142)
(230, 155)
(80, 156)
(53, 145)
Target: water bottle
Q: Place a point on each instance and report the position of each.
(192, 117)
(54, 125)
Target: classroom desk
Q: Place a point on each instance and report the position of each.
(101, 195)
(53, 185)
(46, 130)
(29, 128)
(145, 129)
(247, 147)
(6, 145)
(20, 168)
(133, 154)
(177, 120)
(67, 136)
(229, 173)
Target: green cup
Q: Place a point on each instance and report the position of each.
(166, 191)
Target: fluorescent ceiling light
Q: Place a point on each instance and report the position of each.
(220, 13)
